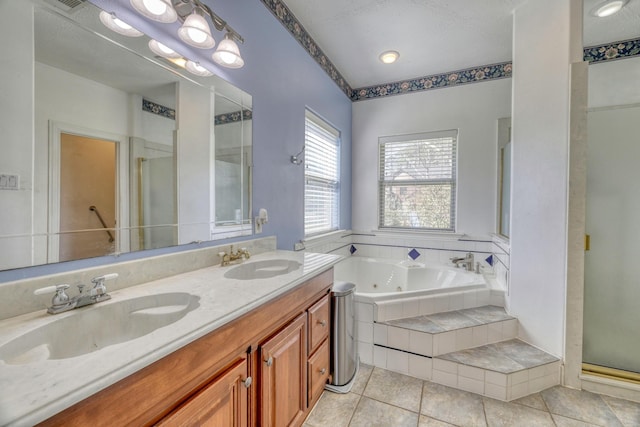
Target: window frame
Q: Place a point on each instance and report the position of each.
(333, 182)
(383, 184)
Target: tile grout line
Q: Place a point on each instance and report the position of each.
(421, 397)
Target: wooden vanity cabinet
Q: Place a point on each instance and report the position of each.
(222, 379)
(223, 402)
(283, 376)
(319, 353)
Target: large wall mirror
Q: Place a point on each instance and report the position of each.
(108, 149)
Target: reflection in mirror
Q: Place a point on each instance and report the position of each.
(233, 167)
(97, 142)
(504, 176)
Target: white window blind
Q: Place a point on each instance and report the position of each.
(417, 185)
(322, 176)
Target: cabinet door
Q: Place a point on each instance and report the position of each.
(283, 376)
(221, 403)
(319, 316)
(318, 372)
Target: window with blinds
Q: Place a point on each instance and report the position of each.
(322, 176)
(417, 187)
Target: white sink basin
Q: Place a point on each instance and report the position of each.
(262, 269)
(98, 326)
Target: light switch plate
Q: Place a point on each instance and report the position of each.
(9, 182)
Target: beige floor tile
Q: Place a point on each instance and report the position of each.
(371, 413)
(579, 405)
(394, 389)
(456, 407)
(506, 414)
(333, 410)
(362, 377)
(569, 422)
(533, 401)
(627, 412)
(432, 422)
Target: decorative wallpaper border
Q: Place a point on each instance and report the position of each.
(616, 50)
(236, 116)
(160, 110)
(291, 23)
(436, 81)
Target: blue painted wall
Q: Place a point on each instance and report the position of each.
(283, 80)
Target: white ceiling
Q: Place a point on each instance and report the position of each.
(432, 36)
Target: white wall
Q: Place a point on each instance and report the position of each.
(547, 39)
(472, 109)
(195, 156)
(69, 99)
(16, 104)
(614, 83)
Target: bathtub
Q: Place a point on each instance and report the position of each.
(381, 279)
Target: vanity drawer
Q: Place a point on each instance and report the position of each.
(318, 372)
(318, 323)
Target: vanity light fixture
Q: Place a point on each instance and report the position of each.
(196, 32)
(156, 10)
(227, 54)
(111, 21)
(197, 69)
(162, 50)
(608, 8)
(389, 57)
(195, 29)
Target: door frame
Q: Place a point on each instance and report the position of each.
(57, 128)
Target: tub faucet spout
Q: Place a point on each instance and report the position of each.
(467, 261)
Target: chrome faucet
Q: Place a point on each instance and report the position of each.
(227, 258)
(61, 302)
(467, 261)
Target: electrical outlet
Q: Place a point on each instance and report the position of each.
(299, 246)
(9, 182)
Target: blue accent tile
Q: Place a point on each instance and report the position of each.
(414, 254)
(489, 260)
(352, 249)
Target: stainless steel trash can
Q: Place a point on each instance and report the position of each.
(344, 350)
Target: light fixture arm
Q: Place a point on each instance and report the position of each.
(185, 7)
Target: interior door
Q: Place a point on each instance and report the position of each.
(87, 197)
(612, 286)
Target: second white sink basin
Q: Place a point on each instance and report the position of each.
(95, 327)
(262, 269)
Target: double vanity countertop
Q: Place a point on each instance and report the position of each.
(32, 392)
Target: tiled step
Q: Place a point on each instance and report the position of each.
(441, 333)
(505, 370)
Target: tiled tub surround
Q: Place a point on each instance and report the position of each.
(41, 389)
(382, 279)
(470, 349)
(460, 337)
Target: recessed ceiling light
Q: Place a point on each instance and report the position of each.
(608, 8)
(389, 57)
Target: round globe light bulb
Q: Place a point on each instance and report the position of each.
(156, 7)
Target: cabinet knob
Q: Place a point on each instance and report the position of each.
(323, 370)
(322, 322)
(269, 361)
(247, 382)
